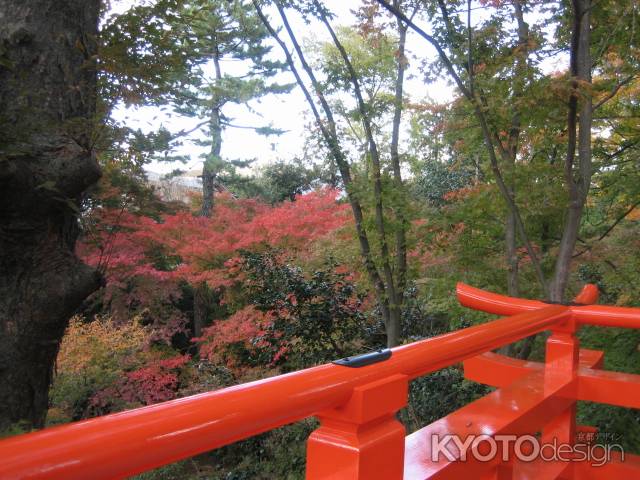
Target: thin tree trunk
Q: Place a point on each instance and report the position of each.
(329, 133)
(513, 287)
(515, 131)
(487, 136)
(510, 156)
(208, 188)
(204, 302)
(510, 237)
(511, 246)
(401, 240)
(47, 115)
(393, 328)
(511, 252)
(202, 295)
(513, 284)
(211, 166)
(578, 182)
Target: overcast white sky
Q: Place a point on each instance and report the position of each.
(288, 112)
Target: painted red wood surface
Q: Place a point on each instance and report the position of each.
(359, 436)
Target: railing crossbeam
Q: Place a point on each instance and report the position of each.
(513, 410)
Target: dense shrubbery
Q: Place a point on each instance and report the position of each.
(282, 304)
(93, 357)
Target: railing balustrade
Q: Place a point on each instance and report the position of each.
(359, 436)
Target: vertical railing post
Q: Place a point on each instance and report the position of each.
(561, 369)
(362, 439)
(503, 471)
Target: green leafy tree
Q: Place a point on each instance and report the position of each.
(181, 48)
(213, 32)
(313, 318)
(285, 180)
(499, 77)
(379, 217)
(191, 40)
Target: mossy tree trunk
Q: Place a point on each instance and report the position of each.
(47, 113)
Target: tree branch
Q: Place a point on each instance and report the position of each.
(375, 162)
(613, 92)
(330, 136)
(487, 136)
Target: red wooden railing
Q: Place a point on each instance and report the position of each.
(359, 436)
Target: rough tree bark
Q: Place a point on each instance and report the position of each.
(47, 114)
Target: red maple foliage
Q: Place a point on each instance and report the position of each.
(145, 259)
(126, 243)
(155, 382)
(242, 327)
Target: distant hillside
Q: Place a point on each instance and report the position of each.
(176, 188)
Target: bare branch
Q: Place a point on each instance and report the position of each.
(613, 91)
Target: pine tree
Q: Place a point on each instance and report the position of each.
(215, 31)
(190, 42)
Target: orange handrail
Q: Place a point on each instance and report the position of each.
(602, 315)
(137, 440)
(123, 444)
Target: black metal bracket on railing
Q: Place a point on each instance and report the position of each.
(364, 359)
(565, 304)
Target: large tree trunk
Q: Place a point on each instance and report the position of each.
(47, 111)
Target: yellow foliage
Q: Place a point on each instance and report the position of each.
(634, 215)
(98, 344)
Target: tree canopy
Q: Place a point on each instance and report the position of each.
(490, 142)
